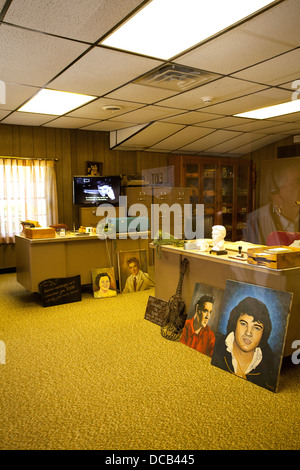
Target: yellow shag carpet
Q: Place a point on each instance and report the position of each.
(96, 375)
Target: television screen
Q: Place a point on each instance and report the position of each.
(95, 190)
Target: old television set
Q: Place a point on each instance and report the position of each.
(96, 190)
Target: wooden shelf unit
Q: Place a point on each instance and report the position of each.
(223, 185)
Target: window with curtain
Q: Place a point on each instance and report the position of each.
(27, 192)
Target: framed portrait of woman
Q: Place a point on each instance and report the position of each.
(104, 283)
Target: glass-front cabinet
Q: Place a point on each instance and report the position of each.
(243, 198)
(223, 186)
(227, 199)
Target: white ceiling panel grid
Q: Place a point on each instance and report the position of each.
(27, 119)
(140, 93)
(101, 71)
(151, 134)
(55, 44)
(257, 144)
(15, 95)
(275, 71)
(245, 103)
(69, 122)
(191, 118)
(86, 20)
(220, 90)
(107, 126)
(210, 140)
(259, 39)
(150, 113)
(234, 143)
(96, 109)
(179, 139)
(31, 58)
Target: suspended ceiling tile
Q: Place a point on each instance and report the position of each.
(260, 99)
(140, 93)
(3, 114)
(210, 140)
(235, 143)
(287, 129)
(149, 113)
(184, 152)
(86, 20)
(191, 117)
(189, 100)
(227, 89)
(108, 126)
(15, 95)
(293, 86)
(220, 90)
(94, 110)
(278, 70)
(123, 135)
(27, 119)
(279, 24)
(292, 118)
(260, 38)
(213, 55)
(152, 134)
(69, 122)
(101, 71)
(37, 58)
(33, 58)
(252, 126)
(125, 147)
(223, 122)
(257, 144)
(181, 138)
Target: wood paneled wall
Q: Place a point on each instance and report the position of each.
(73, 148)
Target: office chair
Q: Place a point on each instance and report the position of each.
(282, 238)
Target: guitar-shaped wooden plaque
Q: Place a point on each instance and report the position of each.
(176, 317)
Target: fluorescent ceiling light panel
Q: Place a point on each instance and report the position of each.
(272, 111)
(164, 28)
(55, 102)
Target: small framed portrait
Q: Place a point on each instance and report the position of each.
(133, 271)
(104, 282)
(94, 168)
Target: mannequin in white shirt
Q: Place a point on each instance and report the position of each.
(282, 213)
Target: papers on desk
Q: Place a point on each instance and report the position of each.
(278, 250)
(234, 246)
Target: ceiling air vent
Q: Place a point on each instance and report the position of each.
(112, 108)
(176, 77)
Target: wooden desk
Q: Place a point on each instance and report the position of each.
(40, 259)
(215, 270)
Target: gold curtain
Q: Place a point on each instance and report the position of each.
(28, 191)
